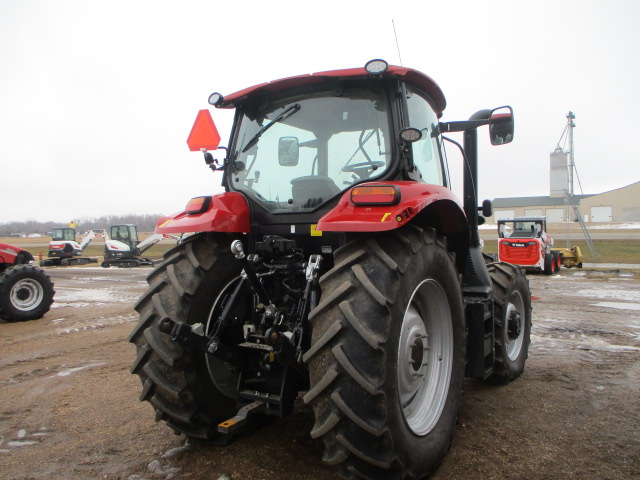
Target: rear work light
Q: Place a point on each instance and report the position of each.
(375, 195)
(198, 205)
(376, 67)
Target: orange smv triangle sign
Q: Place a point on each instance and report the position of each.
(204, 134)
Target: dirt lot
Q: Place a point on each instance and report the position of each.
(69, 407)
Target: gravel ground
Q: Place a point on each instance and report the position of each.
(69, 406)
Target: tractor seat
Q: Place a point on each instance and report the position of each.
(312, 190)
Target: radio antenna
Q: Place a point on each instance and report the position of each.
(397, 44)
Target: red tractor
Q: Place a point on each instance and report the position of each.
(337, 264)
(26, 291)
(524, 241)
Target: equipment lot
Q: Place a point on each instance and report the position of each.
(69, 406)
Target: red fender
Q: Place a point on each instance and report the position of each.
(226, 212)
(414, 198)
(8, 253)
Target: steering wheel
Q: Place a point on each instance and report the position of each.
(358, 166)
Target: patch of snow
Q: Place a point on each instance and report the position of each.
(618, 226)
(21, 443)
(69, 371)
(491, 226)
(579, 342)
(156, 468)
(605, 293)
(75, 295)
(619, 305)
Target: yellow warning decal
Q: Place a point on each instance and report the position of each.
(314, 232)
(385, 216)
(164, 223)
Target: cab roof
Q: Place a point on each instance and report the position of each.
(408, 75)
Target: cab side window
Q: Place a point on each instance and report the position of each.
(426, 157)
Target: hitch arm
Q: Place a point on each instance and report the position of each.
(193, 336)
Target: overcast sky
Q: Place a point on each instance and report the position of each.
(97, 98)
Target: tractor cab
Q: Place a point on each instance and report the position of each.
(122, 243)
(320, 157)
(63, 243)
(63, 234)
(522, 228)
(127, 234)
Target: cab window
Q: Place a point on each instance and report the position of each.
(426, 157)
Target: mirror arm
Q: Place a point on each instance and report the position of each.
(212, 163)
(461, 126)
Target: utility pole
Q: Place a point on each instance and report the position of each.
(569, 198)
(570, 125)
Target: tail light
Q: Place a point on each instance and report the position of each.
(375, 195)
(198, 205)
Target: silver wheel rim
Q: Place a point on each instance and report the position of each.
(26, 295)
(425, 357)
(514, 320)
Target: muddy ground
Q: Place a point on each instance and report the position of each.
(69, 406)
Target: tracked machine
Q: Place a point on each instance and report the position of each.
(337, 268)
(123, 249)
(64, 250)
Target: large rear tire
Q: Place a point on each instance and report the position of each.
(176, 380)
(512, 311)
(26, 293)
(388, 355)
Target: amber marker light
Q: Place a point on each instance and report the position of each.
(375, 195)
(198, 205)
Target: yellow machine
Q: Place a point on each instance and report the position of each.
(570, 257)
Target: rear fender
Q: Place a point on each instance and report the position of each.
(428, 205)
(8, 253)
(226, 212)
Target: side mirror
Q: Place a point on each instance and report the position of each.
(501, 125)
(288, 151)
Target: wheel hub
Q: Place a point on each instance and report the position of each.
(417, 352)
(26, 295)
(514, 327)
(22, 294)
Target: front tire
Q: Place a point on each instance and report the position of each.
(387, 356)
(26, 293)
(512, 314)
(176, 380)
(549, 264)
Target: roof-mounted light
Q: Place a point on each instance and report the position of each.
(216, 99)
(375, 195)
(376, 66)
